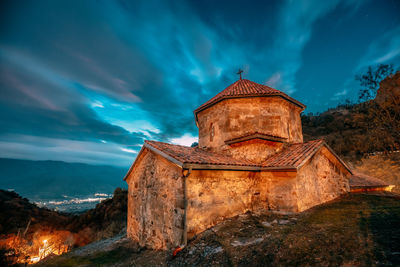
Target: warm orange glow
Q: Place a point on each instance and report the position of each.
(38, 246)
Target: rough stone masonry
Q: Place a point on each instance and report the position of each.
(250, 156)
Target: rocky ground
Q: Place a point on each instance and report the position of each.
(356, 230)
(23, 225)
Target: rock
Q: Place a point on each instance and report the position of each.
(210, 250)
(266, 224)
(247, 242)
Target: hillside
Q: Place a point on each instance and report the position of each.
(364, 134)
(355, 230)
(353, 130)
(17, 212)
(384, 167)
(24, 226)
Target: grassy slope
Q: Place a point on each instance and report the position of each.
(383, 167)
(356, 230)
(104, 221)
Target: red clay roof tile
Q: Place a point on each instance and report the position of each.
(197, 155)
(256, 135)
(243, 88)
(361, 180)
(291, 157)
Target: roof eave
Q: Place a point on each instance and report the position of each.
(311, 155)
(133, 164)
(281, 168)
(225, 167)
(368, 186)
(323, 143)
(288, 98)
(165, 155)
(155, 150)
(255, 136)
(338, 158)
(198, 166)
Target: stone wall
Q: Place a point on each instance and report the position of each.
(281, 190)
(256, 150)
(216, 195)
(320, 180)
(155, 202)
(233, 118)
(294, 127)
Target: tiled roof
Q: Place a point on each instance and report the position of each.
(243, 88)
(256, 135)
(293, 155)
(197, 155)
(361, 180)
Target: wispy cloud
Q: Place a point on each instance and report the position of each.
(129, 150)
(275, 80)
(184, 140)
(39, 148)
(114, 76)
(341, 93)
(386, 49)
(294, 30)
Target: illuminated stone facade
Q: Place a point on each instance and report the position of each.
(251, 156)
(237, 117)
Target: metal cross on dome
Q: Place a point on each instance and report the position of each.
(240, 73)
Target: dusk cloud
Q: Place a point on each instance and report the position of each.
(92, 79)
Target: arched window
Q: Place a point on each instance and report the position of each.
(211, 132)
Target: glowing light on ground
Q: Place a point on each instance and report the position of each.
(38, 246)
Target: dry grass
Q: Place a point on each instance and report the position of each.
(355, 230)
(386, 168)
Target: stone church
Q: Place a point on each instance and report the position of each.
(251, 156)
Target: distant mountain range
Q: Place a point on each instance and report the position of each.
(56, 180)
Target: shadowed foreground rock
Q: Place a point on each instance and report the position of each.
(355, 230)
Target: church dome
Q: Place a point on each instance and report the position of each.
(248, 110)
(246, 88)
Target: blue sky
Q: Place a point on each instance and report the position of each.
(88, 81)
